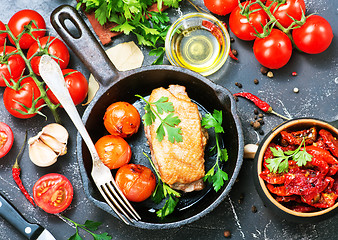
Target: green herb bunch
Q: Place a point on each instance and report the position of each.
(132, 16)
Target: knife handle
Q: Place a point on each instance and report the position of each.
(8, 212)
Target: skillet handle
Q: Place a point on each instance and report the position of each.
(83, 43)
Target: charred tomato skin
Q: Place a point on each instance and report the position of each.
(137, 182)
(53, 193)
(122, 119)
(113, 151)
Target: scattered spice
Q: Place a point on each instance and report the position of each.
(260, 115)
(232, 40)
(294, 74)
(234, 52)
(261, 132)
(256, 111)
(16, 170)
(296, 90)
(254, 209)
(227, 234)
(255, 117)
(241, 198)
(238, 84)
(256, 125)
(264, 106)
(270, 74)
(256, 81)
(232, 55)
(264, 70)
(251, 123)
(236, 98)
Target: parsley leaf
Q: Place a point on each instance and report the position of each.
(168, 125)
(163, 191)
(281, 161)
(89, 226)
(216, 175)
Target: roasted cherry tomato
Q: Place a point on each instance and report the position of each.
(2, 35)
(14, 99)
(53, 193)
(314, 36)
(122, 119)
(137, 182)
(273, 51)
(49, 45)
(113, 151)
(6, 139)
(221, 7)
(242, 27)
(283, 13)
(10, 67)
(77, 86)
(22, 18)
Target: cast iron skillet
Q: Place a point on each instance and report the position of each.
(277, 208)
(122, 86)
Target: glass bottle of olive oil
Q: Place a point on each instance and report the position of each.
(197, 48)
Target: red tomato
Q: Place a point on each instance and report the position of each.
(14, 98)
(77, 86)
(122, 119)
(53, 193)
(113, 151)
(2, 35)
(221, 7)
(137, 182)
(55, 47)
(315, 36)
(244, 29)
(10, 67)
(291, 8)
(273, 51)
(6, 139)
(18, 22)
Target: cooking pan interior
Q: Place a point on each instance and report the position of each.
(191, 205)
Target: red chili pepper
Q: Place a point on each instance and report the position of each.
(16, 175)
(264, 106)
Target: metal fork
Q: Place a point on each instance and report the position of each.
(52, 76)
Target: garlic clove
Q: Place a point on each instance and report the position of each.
(57, 146)
(250, 150)
(40, 154)
(57, 131)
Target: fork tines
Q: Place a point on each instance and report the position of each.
(118, 202)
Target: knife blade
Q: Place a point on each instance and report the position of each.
(32, 231)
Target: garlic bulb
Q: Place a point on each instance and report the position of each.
(47, 145)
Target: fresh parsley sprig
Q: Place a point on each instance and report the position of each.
(163, 191)
(281, 161)
(169, 124)
(216, 175)
(89, 226)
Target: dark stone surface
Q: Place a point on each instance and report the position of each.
(317, 81)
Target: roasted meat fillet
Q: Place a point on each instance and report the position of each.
(180, 164)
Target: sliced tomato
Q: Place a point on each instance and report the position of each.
(53, 193)
(6, 139)
(137, 182)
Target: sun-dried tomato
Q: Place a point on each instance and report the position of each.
(315, 195)
(330, 141)
(304, 209)
(285, 199)
(333, 169)
(318, 163)
(325, 200)
(279, 190)
(296, 137)
(322, 154)
(272, 178)
(321, 144)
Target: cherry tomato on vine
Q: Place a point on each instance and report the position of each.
(14, 99)
(55, 47)
(122, 119)
(244, 29)
(2, 35)
(314, 36)
(137, 182)
(6, 139)
(53, 193)
(221, 7)
(291, 8)
(77, 86)
(273, 51)
(10, 67)
(113, 151)
(17, 24)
